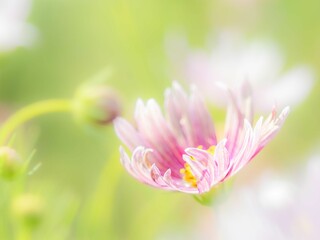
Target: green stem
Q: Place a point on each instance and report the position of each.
(99, 212)
(29, 112)
(24, 233)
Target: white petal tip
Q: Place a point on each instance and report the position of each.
(286, 110)
(176, 85)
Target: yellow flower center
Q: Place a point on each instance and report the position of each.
(211, 150)
(187, 173)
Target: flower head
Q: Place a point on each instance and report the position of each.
(180, 151)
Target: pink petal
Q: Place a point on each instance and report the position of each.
(201, 122)
(127, 133)
(157, 135)
(245, 149)
(168, 183)
(137, 166)
(270, 128)
(189, 117)
(222, 161)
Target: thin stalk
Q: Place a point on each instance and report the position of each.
(29, 112)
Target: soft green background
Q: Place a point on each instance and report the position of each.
(78, 38)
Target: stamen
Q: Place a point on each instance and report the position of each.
(211, 150)
(187, 173)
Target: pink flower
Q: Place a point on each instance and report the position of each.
(180, 151)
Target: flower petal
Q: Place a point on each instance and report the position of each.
(127, 133)
(189, 118)
(168, 183)
(158, 136)
(270, 128)
(240, 108)
(138, 166)
(201, 122)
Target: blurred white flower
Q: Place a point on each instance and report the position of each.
(233, 60)
(14, 31)
(275, 208)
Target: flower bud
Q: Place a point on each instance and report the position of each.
(10, 163)
(28, 209)
(97, 104)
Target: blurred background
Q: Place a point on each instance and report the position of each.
(50, 47)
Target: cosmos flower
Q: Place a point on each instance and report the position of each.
(180, 151)
(233, 60)
(14, 31)
(276, 207)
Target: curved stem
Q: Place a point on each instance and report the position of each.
(29, 112)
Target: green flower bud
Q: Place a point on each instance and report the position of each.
(96, 104)
(10, 163)
(29, 210)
